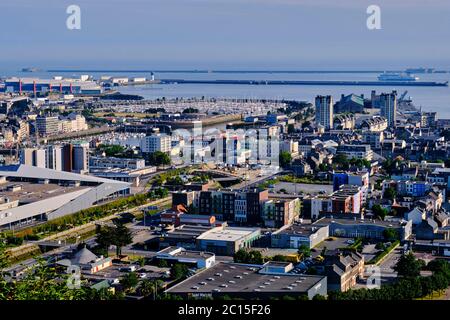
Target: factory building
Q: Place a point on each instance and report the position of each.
(63, 86)
(43, 194)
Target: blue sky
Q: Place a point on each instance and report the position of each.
(225, 34)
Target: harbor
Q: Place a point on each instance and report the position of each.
(310, 82)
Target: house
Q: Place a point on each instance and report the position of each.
(301, 168)
(344, 122)
(87, 261)
(416, 215)
(427, 230)
(442, 219)
(342, 270)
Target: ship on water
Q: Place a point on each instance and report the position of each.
(420, 70)
(30, 69)
(396, 76)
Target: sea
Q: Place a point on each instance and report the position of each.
(427, 98)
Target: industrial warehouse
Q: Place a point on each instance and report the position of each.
(57, 84)
(246, 281)
(29, 194)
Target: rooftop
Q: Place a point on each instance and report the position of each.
(234, 277)
(350, 221)
(179, 252)
(300, 229)
(227, 234)
(32, 192)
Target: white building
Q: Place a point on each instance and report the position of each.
(156, 142)
(72, 123)
(199, 259)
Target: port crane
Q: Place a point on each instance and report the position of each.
(403, 96)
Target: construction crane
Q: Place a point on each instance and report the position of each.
(402, 97)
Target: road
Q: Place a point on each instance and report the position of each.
(253, 183)
(387, 265)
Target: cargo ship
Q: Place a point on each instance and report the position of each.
(420, 70)
(30, 70)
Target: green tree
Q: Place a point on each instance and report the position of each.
(179, 271)
(129, 281)
(379, 211)
(341, 161)
(159, 158)
(408, 266)
(119, 235)
(390, 194)
(253, 257)
(3, 255)
(122, 237)
(241, 256)
(150, 288)
(190, 110)
(439, 266)
(285, 159)
(390, 234)
(304, 251)
(174, 181)
(162, 263)
(104, 238)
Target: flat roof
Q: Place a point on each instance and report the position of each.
(300, 229)
(227, 234)
(349, 221)
(32, 192)
(234, 277)
(183, 253)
